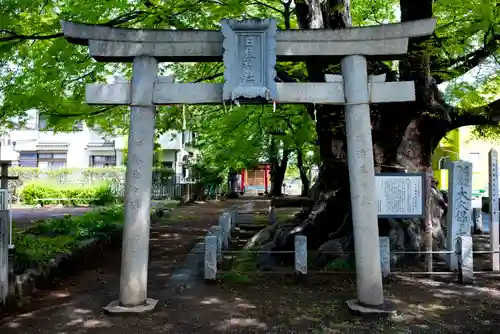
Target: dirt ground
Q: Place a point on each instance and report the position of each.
(265, 304)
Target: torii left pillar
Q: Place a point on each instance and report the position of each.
(138, 178)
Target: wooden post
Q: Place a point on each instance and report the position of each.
(428, 222)
(4, 255)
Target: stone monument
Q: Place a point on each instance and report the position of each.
(459, 217)
(493, 198)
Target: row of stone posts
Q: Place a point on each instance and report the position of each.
(218, 240)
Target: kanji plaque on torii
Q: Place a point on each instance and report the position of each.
(249, 59)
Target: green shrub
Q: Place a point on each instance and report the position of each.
(31, 249)
(91, 175)
(95, 194)
(94, 224)
(47, 238)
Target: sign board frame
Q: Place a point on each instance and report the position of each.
(422, 177)
(249, 59)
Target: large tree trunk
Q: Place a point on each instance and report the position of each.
(327, 224)
(278, 169)
(303, 174)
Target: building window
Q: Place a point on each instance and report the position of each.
(100, 161)
(52, 161)
(167, 164)
(42, 121)
(28, 159)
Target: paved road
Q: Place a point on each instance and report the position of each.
(26, 215)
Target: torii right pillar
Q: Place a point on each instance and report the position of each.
(362, 187)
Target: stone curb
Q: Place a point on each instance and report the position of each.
(21, 286)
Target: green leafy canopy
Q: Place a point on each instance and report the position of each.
(40, 70)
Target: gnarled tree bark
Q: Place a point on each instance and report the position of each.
(415, 129)
(303, 174)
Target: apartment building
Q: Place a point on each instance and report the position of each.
(31, 146)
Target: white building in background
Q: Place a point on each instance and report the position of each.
(84, 147)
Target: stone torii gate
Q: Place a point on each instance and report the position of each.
(249, 49)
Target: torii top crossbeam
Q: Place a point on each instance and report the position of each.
(249, 49)
(109, 44)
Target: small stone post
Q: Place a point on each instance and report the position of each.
(385, 256)
(465, 259)
(226, 230)
(494, 224)
(272, 215)
(362, 183)
(217, 232)
(138, 179)
(234, 213)
(300, 242)
(229, 217)
(210, 257)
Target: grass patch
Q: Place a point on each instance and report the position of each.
(47, 238)
(243, 265)
(340, 265)
(282, 215)
(167, 204)
(286, 214)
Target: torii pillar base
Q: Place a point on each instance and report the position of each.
(114, 308)
(386, 309)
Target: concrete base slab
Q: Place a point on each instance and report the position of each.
(387, 309)
(114, 308)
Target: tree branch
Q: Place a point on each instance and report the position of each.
(13, 36)
(259, 3)
(93, 113)
(465, 63)
(487, 115)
